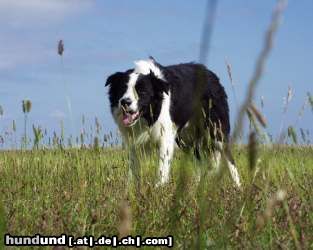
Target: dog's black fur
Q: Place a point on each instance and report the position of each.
(193, 85)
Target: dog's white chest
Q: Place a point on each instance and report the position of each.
(142, 133)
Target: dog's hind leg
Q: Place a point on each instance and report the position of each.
(231, 166)
(219, 151)
(216, 159)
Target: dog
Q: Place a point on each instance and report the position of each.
(176, 105)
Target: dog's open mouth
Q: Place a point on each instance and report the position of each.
(129, 118)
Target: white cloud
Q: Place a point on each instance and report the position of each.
(13, 52)
(41, 6)
(29, 26)
(17, 12)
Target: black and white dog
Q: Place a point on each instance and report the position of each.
(171, 105)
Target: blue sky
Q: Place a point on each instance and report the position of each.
(102, 37)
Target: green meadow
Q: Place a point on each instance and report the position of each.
(91, 192)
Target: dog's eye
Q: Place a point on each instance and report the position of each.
(141, 92)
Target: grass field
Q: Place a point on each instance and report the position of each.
(89, 192)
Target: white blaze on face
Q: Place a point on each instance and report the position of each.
(131, 92)
(142, 67)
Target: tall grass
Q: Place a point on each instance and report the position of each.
(86, 191)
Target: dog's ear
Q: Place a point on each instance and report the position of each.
(116, 77)
(152, 59)
(159, 84)
(155, 62)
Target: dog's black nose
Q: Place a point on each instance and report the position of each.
(125, 102)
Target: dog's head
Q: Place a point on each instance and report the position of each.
(135, 92)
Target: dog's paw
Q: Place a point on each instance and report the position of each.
(162, 182)
(159, 184)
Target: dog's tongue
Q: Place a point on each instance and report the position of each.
(128, 118)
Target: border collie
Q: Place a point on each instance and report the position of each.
(177, 105)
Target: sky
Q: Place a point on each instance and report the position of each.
(102, 37)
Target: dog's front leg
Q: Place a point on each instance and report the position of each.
(167, 143)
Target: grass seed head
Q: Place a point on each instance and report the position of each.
(252, 150)
(229, 72)
(262, 101)
(292, 134)
(60, 47)
(125, 220)
(258, 115)
(275, 200)
(14, 126)
(310, 99)
(26, 106)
